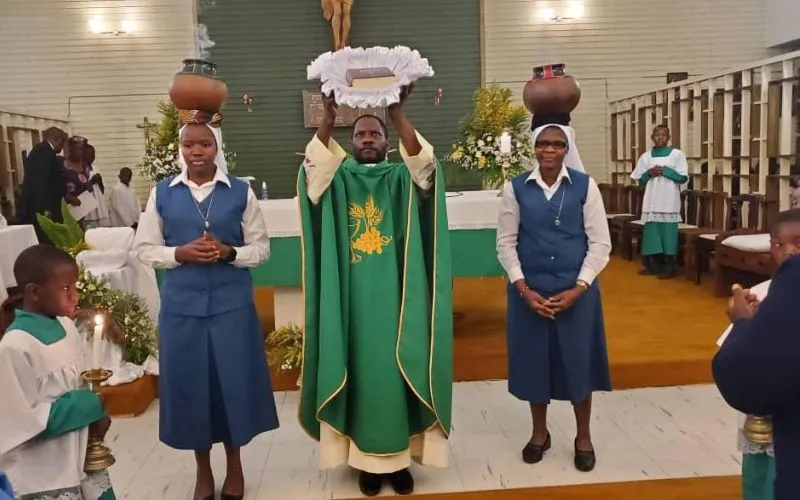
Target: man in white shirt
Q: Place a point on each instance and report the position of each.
(123, 204)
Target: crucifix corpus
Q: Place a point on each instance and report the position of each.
(338, 13)
(148, 128)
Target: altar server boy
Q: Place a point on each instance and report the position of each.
(663, 171)
(47, 415)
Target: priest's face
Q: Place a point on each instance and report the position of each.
(198, 148)
(369, 142)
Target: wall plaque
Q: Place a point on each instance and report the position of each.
(314, 110)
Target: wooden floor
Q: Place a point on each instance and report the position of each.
(659, 332)
(706, 488)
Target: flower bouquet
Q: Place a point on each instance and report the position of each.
(478, 148)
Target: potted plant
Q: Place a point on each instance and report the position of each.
(478, 147)
(285, 356)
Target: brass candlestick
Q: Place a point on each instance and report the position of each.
(506, 165)
(758, 429)
(98, 456)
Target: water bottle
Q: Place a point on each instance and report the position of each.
(264, 193)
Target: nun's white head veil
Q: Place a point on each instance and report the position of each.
(573, 159)
(191, 117)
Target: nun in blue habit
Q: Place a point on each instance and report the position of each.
(205, 227)
(553, 242)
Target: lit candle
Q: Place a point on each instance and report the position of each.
(98, 336)
(505, 144)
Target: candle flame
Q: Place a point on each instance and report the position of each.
(98, 320)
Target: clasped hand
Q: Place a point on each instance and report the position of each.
(656, 171)
(549, 307)
(204, 250)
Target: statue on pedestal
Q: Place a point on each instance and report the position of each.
(338, 13)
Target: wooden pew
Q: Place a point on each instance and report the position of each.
(706, 210)
(742, 254)
(622, 231)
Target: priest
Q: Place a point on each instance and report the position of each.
(376, 384)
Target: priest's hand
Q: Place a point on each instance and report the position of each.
(331, 108)
(397, 108)
(565, 299)
(739, 307)
(199, 251)
(100, 428)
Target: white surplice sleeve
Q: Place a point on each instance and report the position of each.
(256, 240)
(507, 231)
(24, 415)
(149, 242)
(423, 165)
(642, 166)
(321, 164)
(595, 224)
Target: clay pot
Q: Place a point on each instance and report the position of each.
(196, 86)
(551, 91)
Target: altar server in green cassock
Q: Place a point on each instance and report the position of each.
(47, 412)
(553, 241)
(663, 171)
(377, 356)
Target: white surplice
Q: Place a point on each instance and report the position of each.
(662, 196)
(32, 376)
(123, 206)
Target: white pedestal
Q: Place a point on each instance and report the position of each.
(289, 306)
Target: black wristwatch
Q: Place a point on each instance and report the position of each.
(230, 258)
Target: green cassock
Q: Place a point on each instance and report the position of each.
(377, 351)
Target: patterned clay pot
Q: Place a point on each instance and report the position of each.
(196, 86)
(551, 91)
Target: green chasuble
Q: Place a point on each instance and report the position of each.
(377, 350)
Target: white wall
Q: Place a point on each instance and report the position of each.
(618, 48)
(52, 65)
(783, 22)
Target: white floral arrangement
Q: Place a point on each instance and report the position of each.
(482, 153)
(331, 68)
(160, 162)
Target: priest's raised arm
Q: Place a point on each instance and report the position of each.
(324, 155)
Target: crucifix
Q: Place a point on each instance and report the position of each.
(148, 128)
(338, 13)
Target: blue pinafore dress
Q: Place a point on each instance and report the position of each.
(564, 358)
(214, 384)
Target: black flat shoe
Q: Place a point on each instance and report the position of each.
(533, 453)
(402, 482)
(369, 484)
(584, 460)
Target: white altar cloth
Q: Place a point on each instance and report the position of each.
(13, 240)
(465, 210)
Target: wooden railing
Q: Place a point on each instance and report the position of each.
(18, 133)
(739, 129)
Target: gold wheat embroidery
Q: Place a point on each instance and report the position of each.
(365, 238)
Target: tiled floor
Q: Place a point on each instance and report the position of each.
(638, 434)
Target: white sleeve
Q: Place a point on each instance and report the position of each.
(149, 241)
(25, 415)
(595, 224)
(256, 240)
(320, 165)
(423, 165)
(641, 167)
(507, 231)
